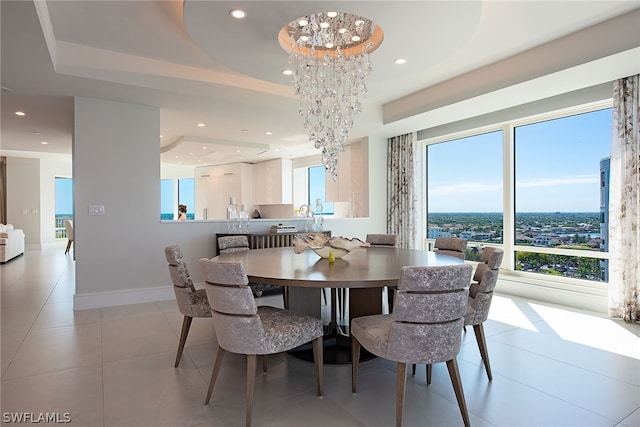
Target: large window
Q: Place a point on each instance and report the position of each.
(186, 195)
(64, 205)
(464, 197)
(317, 190)
(538, 188)
(167, 209)
(558, 193)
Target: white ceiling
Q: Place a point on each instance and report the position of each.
(198, 65)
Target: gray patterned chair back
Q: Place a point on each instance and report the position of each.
(235, 314)
(428, 313)
(453, 246)
(382, 239)
(229, 244)
(189, 303)
(481, 290)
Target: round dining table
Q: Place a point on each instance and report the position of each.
(364, 271)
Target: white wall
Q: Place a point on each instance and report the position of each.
(23, 198)
(116, 163)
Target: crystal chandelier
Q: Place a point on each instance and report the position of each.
(329, 57)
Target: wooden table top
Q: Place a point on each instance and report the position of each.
(371, 267)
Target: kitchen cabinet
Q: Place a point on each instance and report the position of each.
(352, 183)
(273, 182)
(215, 185)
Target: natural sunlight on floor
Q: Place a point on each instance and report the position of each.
(505, 310)
(598, 332)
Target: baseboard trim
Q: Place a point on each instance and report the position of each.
(571, 296)
(124, 297)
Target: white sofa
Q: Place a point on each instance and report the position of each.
(11, 242)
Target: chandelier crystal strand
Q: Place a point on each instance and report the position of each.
(329, 83)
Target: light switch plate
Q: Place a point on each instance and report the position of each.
(96, 210)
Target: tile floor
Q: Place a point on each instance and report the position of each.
(552, 366)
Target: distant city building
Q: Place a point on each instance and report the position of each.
(605, 168)
(435, 232)
(545, 240)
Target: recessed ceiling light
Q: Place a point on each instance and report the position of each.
(268, 133)
(161, 136)
(287, 72)
(20, 113)
(204, 148)
(238, 13)
(44, 142)
(201, 125)
(400, 61)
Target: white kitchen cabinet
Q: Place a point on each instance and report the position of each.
(352, 183)
(215, 185)
(273, 182)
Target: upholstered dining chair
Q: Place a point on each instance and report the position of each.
(243, 328)
(191, 302)
(385, 240)
(425, 327)
(481, 289)
(480, 296)
(68, 225)
(454, 246)
(240, 243)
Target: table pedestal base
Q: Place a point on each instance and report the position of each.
(336, 351)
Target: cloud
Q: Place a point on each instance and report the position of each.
(475, 187)
(464, 187)
(554, 182)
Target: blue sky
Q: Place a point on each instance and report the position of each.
(557, 167)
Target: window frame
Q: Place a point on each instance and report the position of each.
(509, 246)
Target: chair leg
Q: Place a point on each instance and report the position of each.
(214, 373)
(390, 298)
(482, 345)
(318, 362)
(264, 363)
(400, 389)
(429, 370)
(413, 369)
(66, 251)
(355, 361)
(186, 324)
(324, 295)
(251, 380)
(454, 373)
(285, 297)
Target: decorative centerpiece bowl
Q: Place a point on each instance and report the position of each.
(325, 246)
